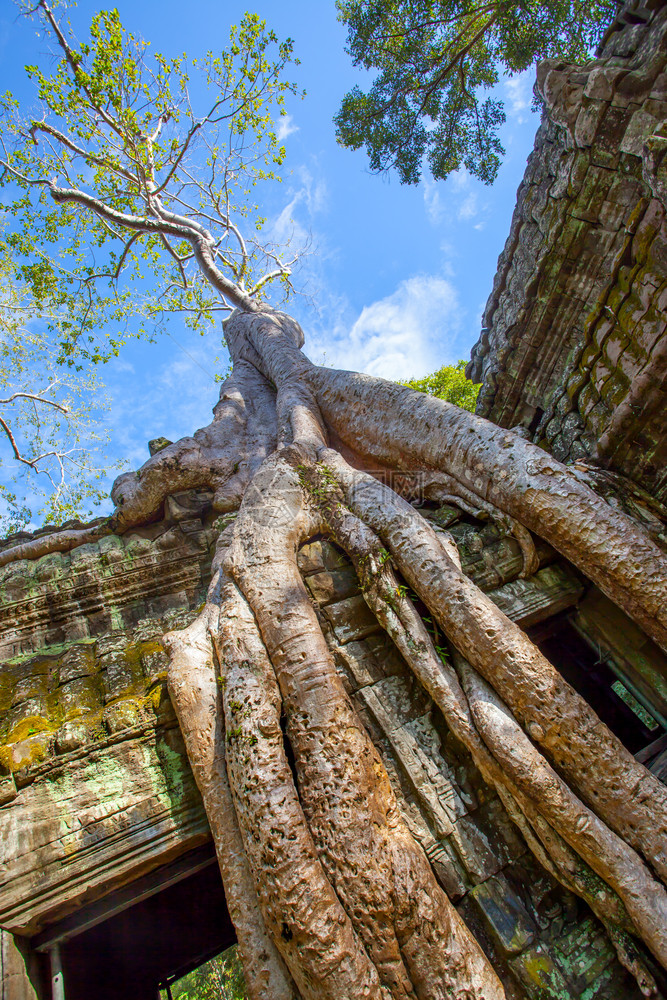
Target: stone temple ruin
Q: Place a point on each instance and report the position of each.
(108, 881)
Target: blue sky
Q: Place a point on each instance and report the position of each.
(397, 277)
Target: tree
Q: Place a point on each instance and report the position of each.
(51, 438)
(118, 182)
(448, 383)
(434, 58)
(221, 978)
(330, 894)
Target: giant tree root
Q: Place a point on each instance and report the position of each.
(504, 754)
(414, 937)
(384, 422)
(629, 799)
(645, 899)
(195, 695)
(302, 912)
(322, 876)
(63, 540)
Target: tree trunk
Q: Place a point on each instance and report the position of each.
(330, 893)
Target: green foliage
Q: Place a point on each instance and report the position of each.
(220, 979)
(114, 181)
(435, 57)
(449, 383)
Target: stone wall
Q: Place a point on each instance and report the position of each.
(94, 781)
(96, 789)
(573, 347)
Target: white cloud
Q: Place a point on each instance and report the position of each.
(435, 209)
(465, 197)
(408, 333)
(285, 127)
(454, 198)
(519, 90)
(309, 199)
(468, 207)
(460, 179)
(313, 190)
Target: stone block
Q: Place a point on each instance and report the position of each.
(121, 674)
(24, 719)
(578, 172)
(587, 123)
(333, 585)
(30, 751)
(77, 661)
(51, 568)
(33, 684)
(505, 914)
(111, 642)
(121, 715)
(332, 557)
(351, 619)
(80, 696)
(402, 697)
(448, 869)
(474, 849)
(188, 505)
(154, 663)
(8, 790)
(148, 630)
(72, 735)
(310, 558)
(368, 661)
(641, 126)
(549, 591)
(600, 84)
(540, 975)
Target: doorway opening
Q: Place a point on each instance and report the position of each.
(589, 673)
(153, 931)
(220, 978)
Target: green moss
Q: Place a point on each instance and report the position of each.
(30, 726)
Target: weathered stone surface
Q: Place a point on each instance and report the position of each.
(92, 819)
(571, 345)
(350, 619)
(332, 586)
(94, 784)
(505, 914)
(549, 591)
(20, 975)
(99, 588)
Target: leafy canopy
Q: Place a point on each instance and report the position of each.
(435, 58)
(448, 383)
(130, 191)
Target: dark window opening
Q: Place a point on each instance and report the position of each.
(589, 674)
(151, 942)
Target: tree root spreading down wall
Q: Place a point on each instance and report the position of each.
(330, 894)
